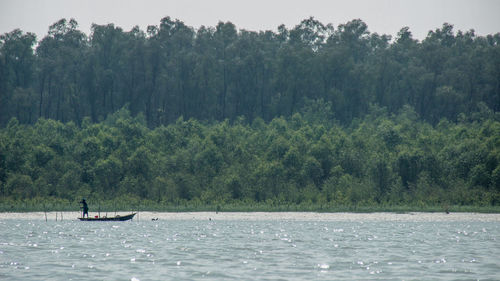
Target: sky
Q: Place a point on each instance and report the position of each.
(381, 16)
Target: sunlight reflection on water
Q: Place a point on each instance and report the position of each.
(248, 250)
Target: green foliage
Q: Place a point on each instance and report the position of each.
(311, 118)
(381, 160)
(172, 71)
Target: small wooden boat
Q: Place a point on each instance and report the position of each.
(116, 218)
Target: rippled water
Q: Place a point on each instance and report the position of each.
(249, 250)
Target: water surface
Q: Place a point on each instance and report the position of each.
(246, 249)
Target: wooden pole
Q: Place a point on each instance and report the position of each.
(45, 211)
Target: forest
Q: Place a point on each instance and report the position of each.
(215, 116)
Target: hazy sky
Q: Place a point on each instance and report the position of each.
(381, 16)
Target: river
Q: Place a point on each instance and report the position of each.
(252, 246)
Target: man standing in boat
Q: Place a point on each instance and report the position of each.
(85, 208)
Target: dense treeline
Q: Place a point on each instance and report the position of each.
(382, 159)
(311, 115)
(214, 73)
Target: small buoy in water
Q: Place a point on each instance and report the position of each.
(209, 219)
(154, 219)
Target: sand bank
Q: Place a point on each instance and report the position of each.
(259, 216)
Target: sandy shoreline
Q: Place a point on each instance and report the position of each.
(259, 216)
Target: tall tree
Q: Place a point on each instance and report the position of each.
(17, 63)
(61, 56)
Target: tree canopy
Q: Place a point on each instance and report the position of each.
(218, 73)
(313, 114)
(380, 159)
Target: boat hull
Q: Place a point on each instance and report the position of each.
(117, 218)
